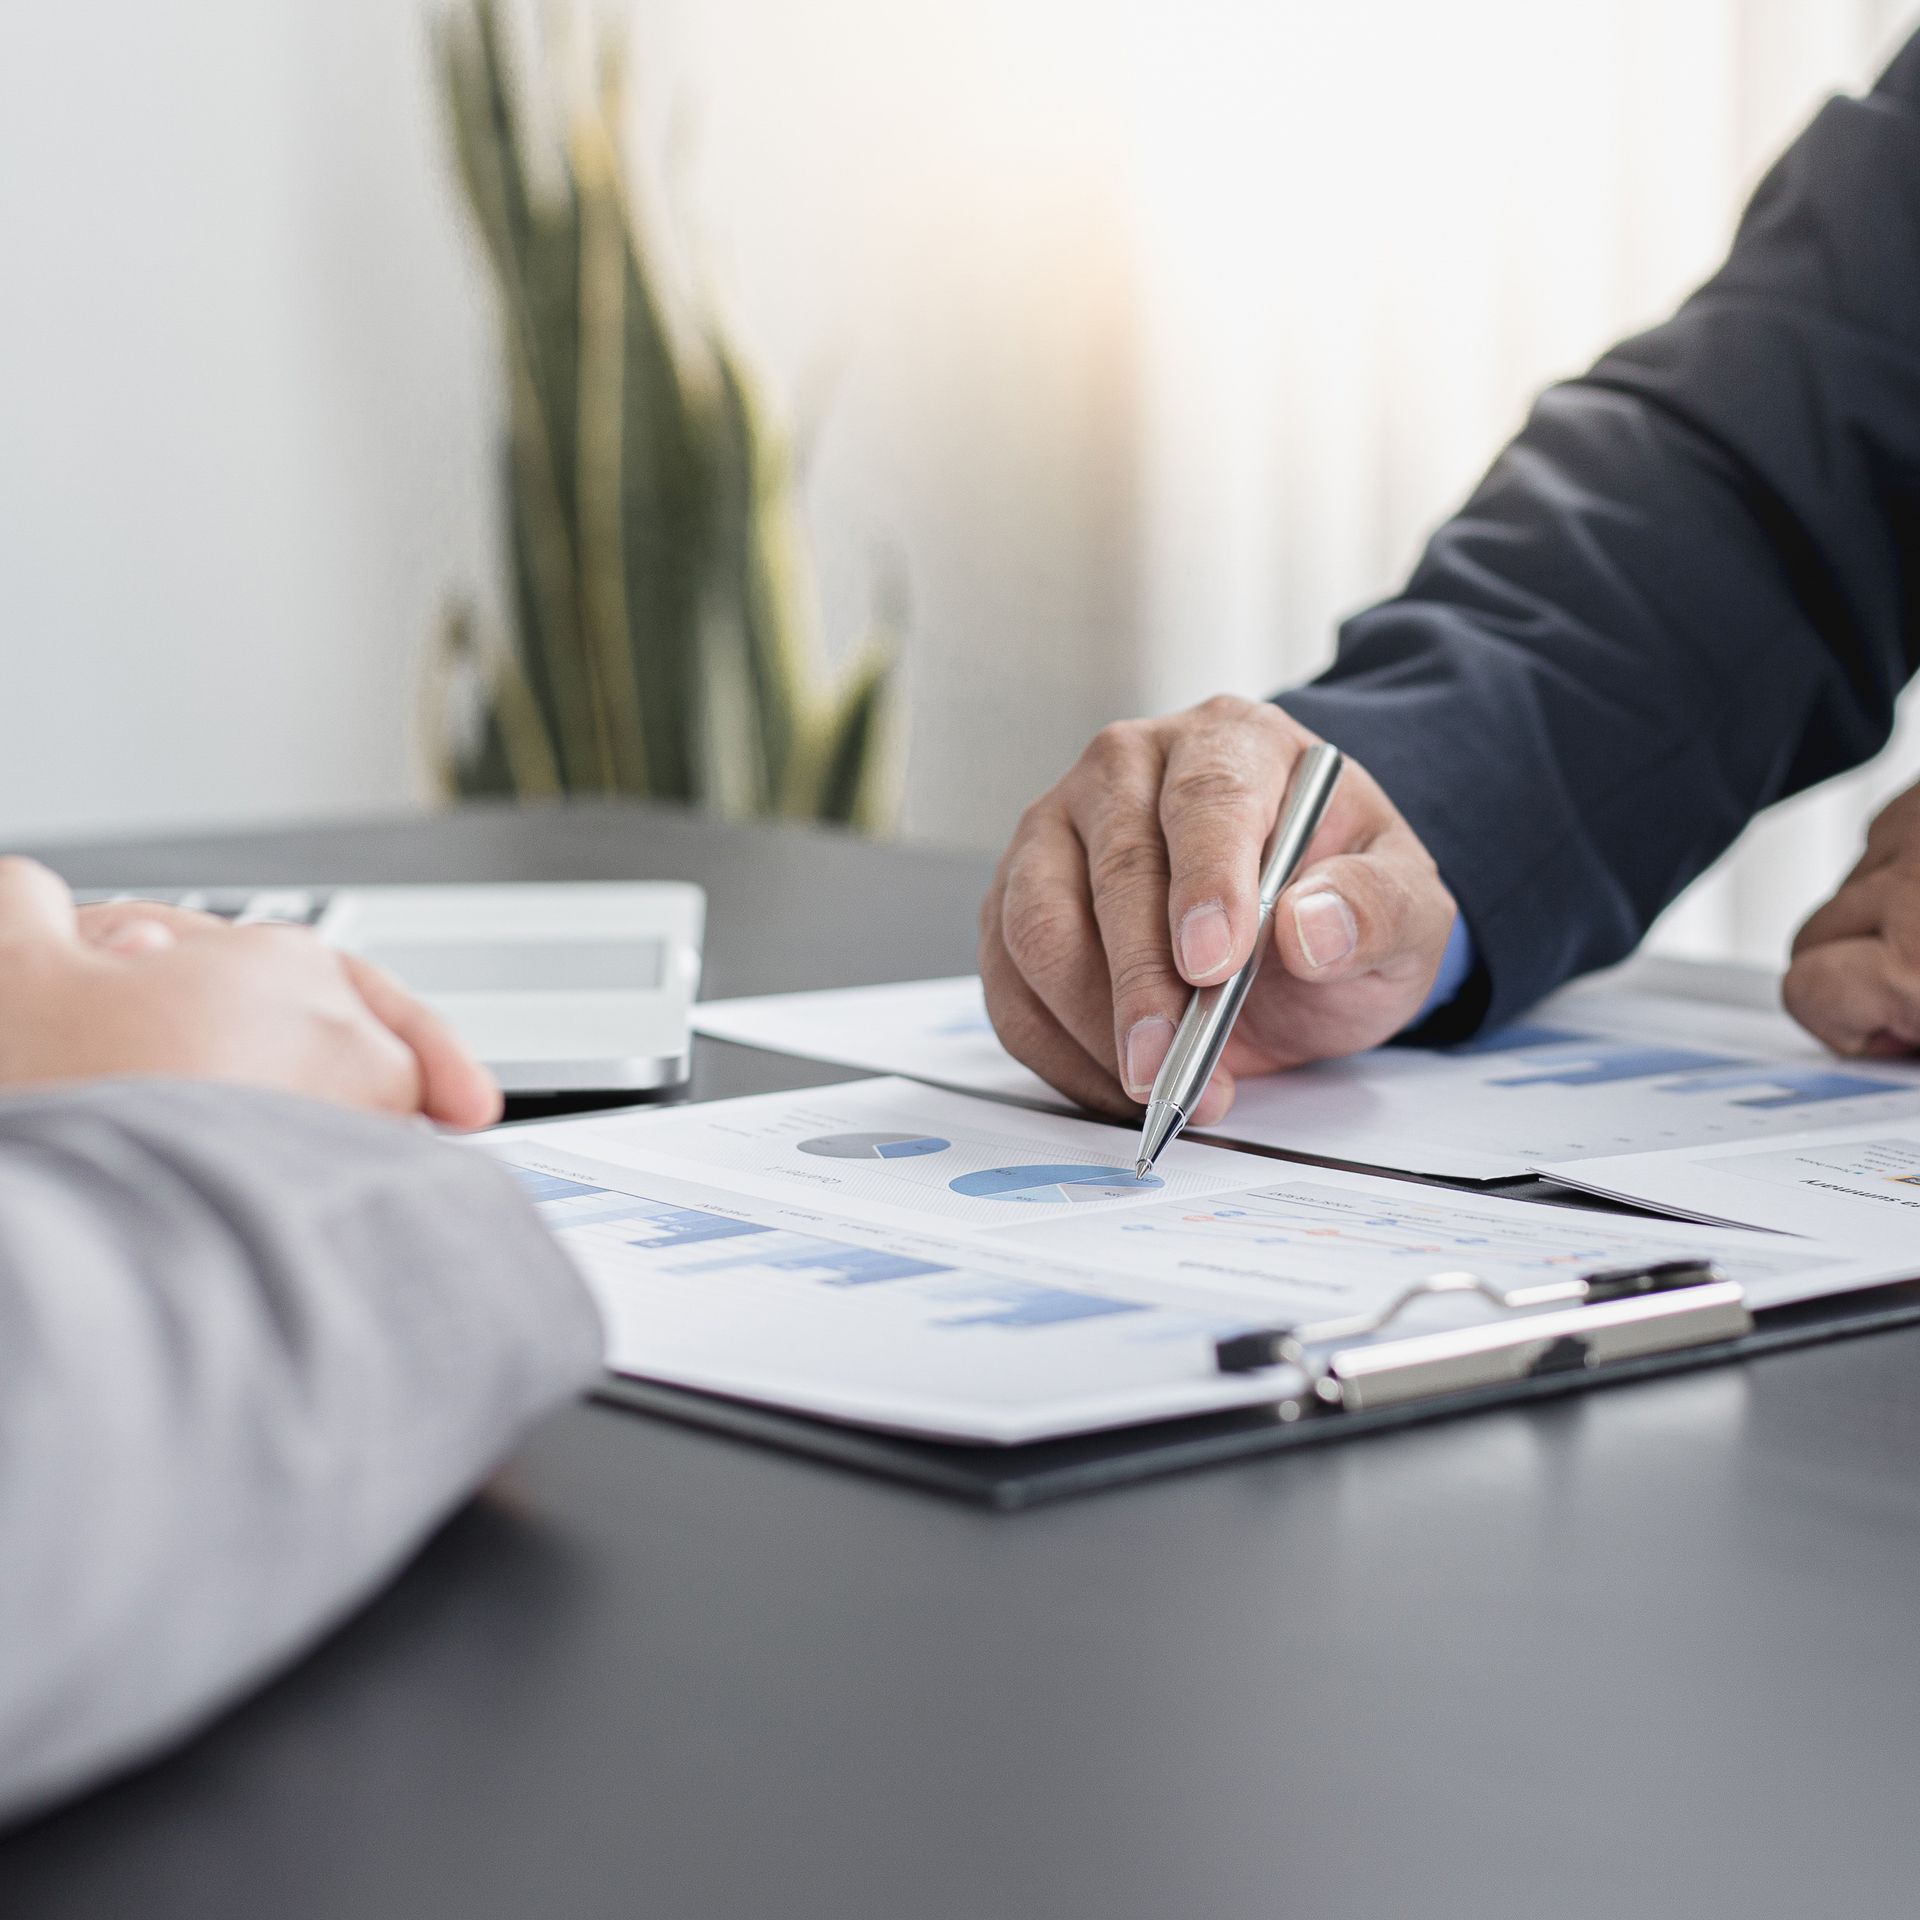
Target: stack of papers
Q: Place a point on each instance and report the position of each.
(1858, 1185)
(919, 1260)
(1595, 1071)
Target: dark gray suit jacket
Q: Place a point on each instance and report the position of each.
(1689, 588)
(251, 1350)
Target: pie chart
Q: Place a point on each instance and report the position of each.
(1049, 1186)
(873, 1146)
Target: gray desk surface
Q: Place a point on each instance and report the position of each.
(1643, 1652)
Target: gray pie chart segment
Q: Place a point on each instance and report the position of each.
(874, 1146)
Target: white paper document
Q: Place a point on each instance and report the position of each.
(931, 1030)
(1599, 1069)
(1852, 1185)
(910, 1258)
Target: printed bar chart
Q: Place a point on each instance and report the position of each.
(834, 1263)
(1605, 1063)
(1020, 1304)
(1777, 1087)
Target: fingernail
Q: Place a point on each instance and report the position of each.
(1147, 1044)
(1327, 928)
(1206, 941)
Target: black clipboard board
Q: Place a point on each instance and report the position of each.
(1011, 1478)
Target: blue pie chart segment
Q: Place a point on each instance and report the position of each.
(1051, 1186)
(873, 1146)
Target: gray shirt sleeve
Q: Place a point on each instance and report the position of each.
(251, 1350)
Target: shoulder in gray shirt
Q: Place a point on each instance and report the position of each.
(252, 1349)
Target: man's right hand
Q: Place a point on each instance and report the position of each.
(1136, 879)
(142, 989)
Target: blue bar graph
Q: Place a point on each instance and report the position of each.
(859, 1266)
(542, 1187)
(1022, 1305)
(1791, 1086)
(669, 1227)
(1606, 1062)
(834, 1263)
(573, 1203)
(596, 1207)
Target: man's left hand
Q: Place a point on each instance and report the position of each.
(1854, 980)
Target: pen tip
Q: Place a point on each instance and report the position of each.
(1142, 1167)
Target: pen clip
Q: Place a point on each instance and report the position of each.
(1307, 796)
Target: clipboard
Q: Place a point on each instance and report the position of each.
(1379, 1381)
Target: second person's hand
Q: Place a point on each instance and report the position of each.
(136, 988)
(1136, 879)
(1855, 973)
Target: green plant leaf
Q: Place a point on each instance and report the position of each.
(852, 744)
(663, 607)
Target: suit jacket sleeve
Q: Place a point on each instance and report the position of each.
(251, 1350)
(1689, 588)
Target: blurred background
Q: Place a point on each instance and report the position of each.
(1142, 342)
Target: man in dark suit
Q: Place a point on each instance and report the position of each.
(1688, 589)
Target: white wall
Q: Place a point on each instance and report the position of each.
(1152, 337)
(917, 216)
(246, 383)
(241, 409)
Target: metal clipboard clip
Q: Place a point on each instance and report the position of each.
(1615, 1314)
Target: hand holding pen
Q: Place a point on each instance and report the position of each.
(1136, 879)
(1208, 1023)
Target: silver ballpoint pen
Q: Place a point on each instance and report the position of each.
(1202, 1036)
